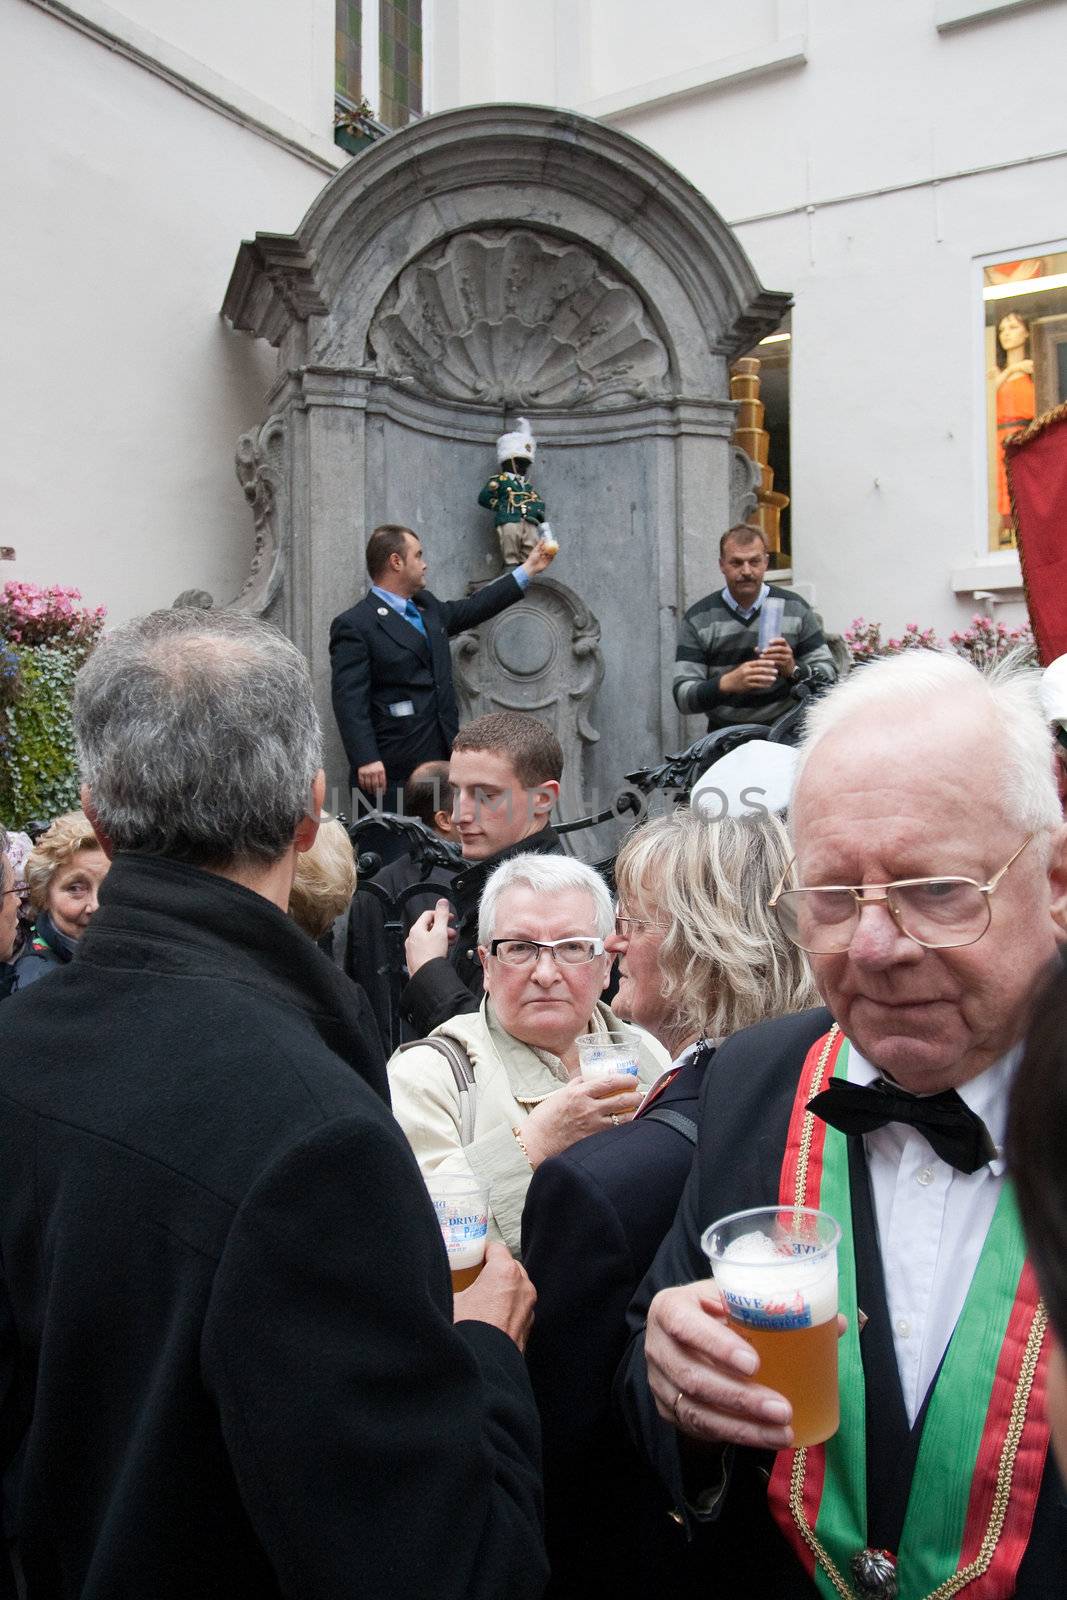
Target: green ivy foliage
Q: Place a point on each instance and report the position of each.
(38, 778)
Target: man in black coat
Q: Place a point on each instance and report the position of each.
(230, 1358)
(393, 696)
(929, 792)
(396, 896)
(505, 773)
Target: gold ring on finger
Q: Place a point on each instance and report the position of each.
(674, 1408)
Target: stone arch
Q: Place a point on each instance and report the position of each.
(624, 377)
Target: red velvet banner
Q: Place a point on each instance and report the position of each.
(1036, 461)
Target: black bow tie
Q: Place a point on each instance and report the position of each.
(952, 1129)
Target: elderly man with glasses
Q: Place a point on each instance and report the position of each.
(929, 855)
(542, 923)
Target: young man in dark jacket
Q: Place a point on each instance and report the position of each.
(505, 771)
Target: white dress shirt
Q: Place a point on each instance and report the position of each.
(745, 612)
(932, 1223)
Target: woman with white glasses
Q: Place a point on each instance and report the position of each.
(543, 923)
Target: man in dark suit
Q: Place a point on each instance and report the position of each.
(231, 1362)
(393, 696)
(929, 791)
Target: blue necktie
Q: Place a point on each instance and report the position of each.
(414, 616)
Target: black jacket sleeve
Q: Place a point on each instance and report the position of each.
(578, 1256)
(13, 1420)
(472, 609)
(743, 1118)
(679, 1260)
(350, 684)
(435, 993)
(377, 1447)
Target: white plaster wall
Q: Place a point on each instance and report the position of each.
(273, 48)
(646, 42)
(888, 404)
(124, 392)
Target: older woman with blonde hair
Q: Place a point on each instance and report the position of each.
(324, 881)
(64, 871)
(700, 956)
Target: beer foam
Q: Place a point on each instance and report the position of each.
(464, 1232)
(465, 1252)
(799, 1290)
(754, 1247)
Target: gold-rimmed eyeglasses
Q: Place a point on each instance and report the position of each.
(624, 926)
(938, 913)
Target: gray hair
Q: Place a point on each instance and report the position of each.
(725, 962)
(544, 875)
(1003, 699)
(197, 737)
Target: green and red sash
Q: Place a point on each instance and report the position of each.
(985, 1438)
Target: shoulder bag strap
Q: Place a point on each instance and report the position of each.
(673, 1119)
(463, 1072)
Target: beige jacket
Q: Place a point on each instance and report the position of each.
(511, 1078)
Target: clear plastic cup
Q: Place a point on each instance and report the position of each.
(770, 621)
(462, 1207)
(777, 1269)
(608, 1055)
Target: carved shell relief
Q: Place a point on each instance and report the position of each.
(514, 318)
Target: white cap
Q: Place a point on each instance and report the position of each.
(1053, 691)
(520, 443)
(756, 776)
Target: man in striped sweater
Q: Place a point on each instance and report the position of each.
(719, 668)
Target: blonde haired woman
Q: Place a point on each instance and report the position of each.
(64, 871)
(700, 954)
(324, 881)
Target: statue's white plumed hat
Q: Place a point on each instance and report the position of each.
(520, 443)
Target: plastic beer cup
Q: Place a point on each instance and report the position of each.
(777, 1270)
(462, 1207)
(608, 1055)
(770, 621)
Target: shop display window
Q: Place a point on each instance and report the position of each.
(1025, 302)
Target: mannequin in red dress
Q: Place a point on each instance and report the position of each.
(1013, 379)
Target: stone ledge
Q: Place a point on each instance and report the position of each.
(999, 573)
(756, 63)
(949, 14)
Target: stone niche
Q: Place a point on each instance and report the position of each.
(482, 264)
